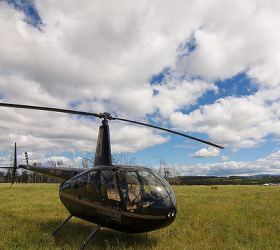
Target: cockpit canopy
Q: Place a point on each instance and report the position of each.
(130, 187)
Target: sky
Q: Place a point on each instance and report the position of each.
(210, 69)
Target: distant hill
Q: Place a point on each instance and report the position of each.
(264, 175)
(231, 180)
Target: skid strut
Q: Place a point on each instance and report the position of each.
(87, 239)
(62, 223)
(90, 236)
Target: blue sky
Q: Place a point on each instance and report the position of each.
(207, 69)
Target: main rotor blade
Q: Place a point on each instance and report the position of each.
(171, 131)
(105, 116)
(50, 109)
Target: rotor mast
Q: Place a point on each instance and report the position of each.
(103, 147)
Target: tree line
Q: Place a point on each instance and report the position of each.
(27, 177)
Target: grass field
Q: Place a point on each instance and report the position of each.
(224, 217)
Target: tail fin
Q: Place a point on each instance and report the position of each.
(14, 169)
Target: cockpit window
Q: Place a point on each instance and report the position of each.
(103, 184)
(135, 189)
(94, 182)
(141, 189)
(153, 186)
(133, 196)
(109, 186)
(168, 188)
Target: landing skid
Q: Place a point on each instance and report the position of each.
(87, 239)
(62, 224)
(90, 236)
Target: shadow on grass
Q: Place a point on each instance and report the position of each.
(70, 236)
(73, 234)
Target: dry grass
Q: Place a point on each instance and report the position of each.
(227, 217)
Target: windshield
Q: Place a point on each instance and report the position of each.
(135, 188)
(142, 189)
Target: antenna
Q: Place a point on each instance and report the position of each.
(26, 157)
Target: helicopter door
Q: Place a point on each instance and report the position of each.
(94, 186)
(109, 186)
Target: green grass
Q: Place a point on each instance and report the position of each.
(226, 217)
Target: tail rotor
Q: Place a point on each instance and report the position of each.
(13, 166)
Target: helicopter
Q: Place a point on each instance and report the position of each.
(125, 198)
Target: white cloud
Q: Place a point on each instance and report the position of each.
(79, 47)
(127, 138)
(177, 94)
(39, 158)
(206, 152)
(268, 165)
(101, 56)
(234, 37)
(225, 158)
(243, 122)
(185, 146)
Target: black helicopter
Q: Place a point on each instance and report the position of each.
(126, 198)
